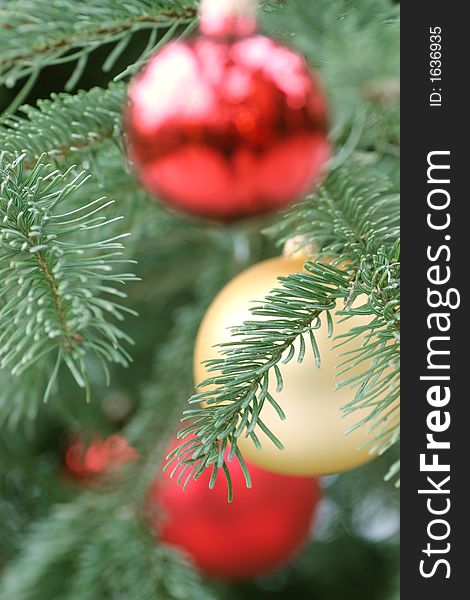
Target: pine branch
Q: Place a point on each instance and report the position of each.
(354, 209)
(65, 125)
(239, 386)
(357, 217)
(378, 386)
(240, 377)
(39, 33)
(54, 301)
(20, 398)
(63, 557)
(107, 527)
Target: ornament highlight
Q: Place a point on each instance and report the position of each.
(313, 433)
(227, 125)
(228, 17)
(259, 531)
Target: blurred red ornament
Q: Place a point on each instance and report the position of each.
(226, 125)
(100, 459)
(259, 531)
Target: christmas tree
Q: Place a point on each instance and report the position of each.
(105, 282)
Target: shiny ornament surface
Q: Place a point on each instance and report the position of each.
(228, 17)
(100, 459)
(259, 531)
(313, 433)
(226, 128)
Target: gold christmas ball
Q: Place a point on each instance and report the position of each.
(313, 433)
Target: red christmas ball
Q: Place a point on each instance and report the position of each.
(227, 127)
(260, 530)
(100, 459)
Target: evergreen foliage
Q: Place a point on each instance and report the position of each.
(81, 311)
(350, 218)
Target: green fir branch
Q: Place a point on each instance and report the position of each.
(64, 125)
(378, 386)
(62, 556)
(20, 398)
(354, 226)
(60, 295)
(35, 34)
(353, 210)
(240, 380)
